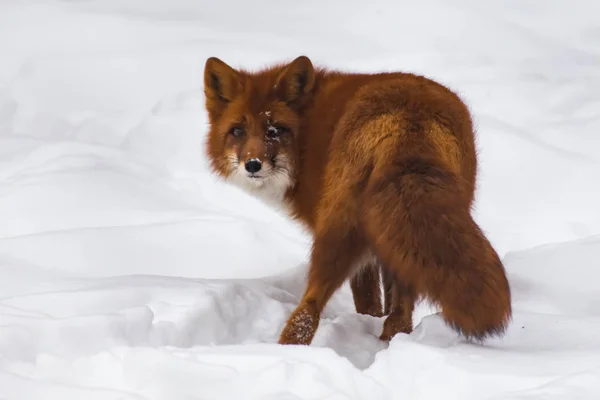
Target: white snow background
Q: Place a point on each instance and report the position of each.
(128, 272)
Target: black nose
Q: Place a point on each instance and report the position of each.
(253, 165)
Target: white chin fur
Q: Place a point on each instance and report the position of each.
(272, 184)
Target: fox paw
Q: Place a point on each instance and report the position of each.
(395, 324)
(301, 326)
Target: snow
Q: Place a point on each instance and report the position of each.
(130, 272)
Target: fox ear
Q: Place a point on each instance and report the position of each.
(221, 82)
(296, 80)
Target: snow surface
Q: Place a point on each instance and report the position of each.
(129, 272)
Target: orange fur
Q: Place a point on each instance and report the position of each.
(381, 168)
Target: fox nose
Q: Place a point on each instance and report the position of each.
(253, 165)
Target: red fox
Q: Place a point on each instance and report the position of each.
(381, 169)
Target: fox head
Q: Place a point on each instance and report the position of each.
(255, 123)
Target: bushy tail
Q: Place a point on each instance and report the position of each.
(417, 218)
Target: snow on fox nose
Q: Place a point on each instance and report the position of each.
(253, 165)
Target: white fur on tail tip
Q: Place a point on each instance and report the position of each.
(270, 184)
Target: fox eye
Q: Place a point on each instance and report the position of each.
(237, 132)
(275, 131)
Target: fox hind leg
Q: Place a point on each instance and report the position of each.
(401, 307)
(399, 299)
(388, 279)
(366, 290)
